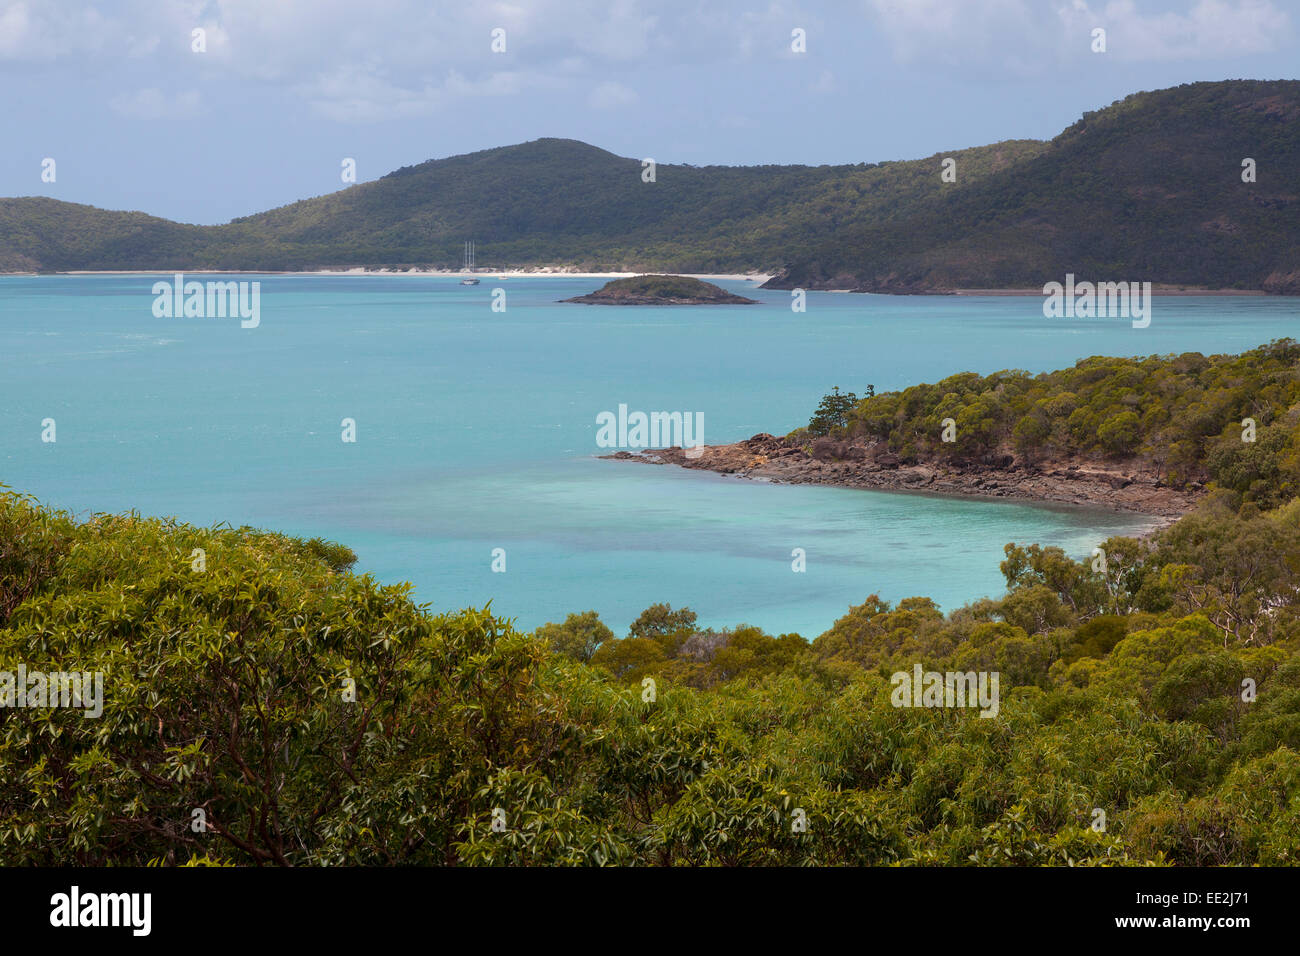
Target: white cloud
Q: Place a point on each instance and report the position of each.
(392, 59)
(383, 59)
(364, 94)
(1209, 30)
(625, 32)
(351, 94)
(1026, 36)
(953, 31)
(35, 31)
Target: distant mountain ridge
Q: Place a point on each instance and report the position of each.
(1147, 189)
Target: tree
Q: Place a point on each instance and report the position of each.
(578, 637)
(1030, 433)
(833, 412)
(662, 624)
(1121, 434)
(631, 658)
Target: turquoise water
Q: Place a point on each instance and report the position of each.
(476, 430)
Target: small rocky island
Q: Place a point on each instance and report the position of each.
(661, 290)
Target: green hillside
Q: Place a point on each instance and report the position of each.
(1147, 189)
(547, 202)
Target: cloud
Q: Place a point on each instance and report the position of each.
(36, 31)
(364, 94)
(953, 31)
(153, 104)
(397, 59)
(625, 32)
(1209, 30)
(353, 94)
(1027, 36)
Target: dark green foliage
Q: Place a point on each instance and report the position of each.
(578, 637)
(833, 412)
(33, 542)
(1095, 638)
(661, 622)
(663, 286)
(335, 556)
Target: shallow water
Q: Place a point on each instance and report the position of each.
(477, 430)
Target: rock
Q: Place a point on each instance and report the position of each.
(828, 449)
(864, 464)
(1283, 282)
(661, 290)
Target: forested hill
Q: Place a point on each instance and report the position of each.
(1150, 189)
(546, 202)
(1147, 189)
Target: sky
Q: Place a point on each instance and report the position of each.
(136, 116)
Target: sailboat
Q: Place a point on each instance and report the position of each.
(469, 264)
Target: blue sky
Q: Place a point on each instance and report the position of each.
(286, 89)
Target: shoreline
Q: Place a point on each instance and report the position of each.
(1033, 292)
(542, 272)
(566, 272)
(1076, 484)
(1156, 289)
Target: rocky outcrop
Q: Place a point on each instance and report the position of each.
(1283, 282)
(661, 290)
(1121, 487)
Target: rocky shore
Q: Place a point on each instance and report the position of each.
(848, 464)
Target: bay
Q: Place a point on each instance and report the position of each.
(476, 430)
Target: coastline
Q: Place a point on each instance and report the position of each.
(568, 272)
(872, 467)
(541, 272)
(1156, 289)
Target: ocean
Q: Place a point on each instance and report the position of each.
(476, 431)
